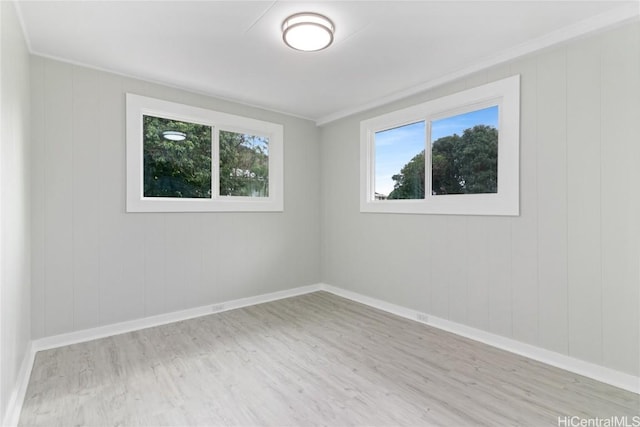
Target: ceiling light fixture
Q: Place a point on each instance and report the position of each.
(307, 31)
(174, 135)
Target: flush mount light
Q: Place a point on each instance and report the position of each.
(174, 135)
(307, 31)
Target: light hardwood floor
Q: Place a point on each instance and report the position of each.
(316, 359)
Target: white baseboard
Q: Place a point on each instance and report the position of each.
(16, 399)
(162, 319)
(587, 369)
(591, 370)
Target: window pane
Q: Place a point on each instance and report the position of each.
(244, 165)
(177, 158)
(399, 162)
(464, 153)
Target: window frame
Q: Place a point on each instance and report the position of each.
(138, 106)
(505, 94)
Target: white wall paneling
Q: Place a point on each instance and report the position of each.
(38, 179)
(552, 199)
(85, 214)
(583, 201)
(100, 265)
(478, 273)
(620, 205)
(500, 277)
(564, 275)
(458, 298)
(524, 230)
(440, 268)
(15, 227)
(58, 197)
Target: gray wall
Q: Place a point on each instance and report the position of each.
(94, 264)
(564, 275)
(15, 270)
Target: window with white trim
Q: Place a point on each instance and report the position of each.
(188, 159)
(454, 155)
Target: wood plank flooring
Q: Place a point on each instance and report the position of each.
(316, 359)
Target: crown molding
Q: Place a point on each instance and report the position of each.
(627, 13)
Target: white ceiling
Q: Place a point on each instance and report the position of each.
(233, 49)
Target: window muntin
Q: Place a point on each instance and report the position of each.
(470, 153)
(188, 159)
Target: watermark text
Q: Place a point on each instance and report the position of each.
(614, 421)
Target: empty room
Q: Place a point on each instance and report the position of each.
(332, 213)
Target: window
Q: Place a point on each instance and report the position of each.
(453, 155)
(188, 159)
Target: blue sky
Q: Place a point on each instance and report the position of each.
(395, 147)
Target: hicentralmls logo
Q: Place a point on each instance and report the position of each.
(614, 421)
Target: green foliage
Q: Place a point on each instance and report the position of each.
(466, 164)
(176, 168)
(183, 168)
(410, 181)
(444, 174)
(476, 160)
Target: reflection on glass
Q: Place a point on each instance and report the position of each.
(399, 162)
(244, 165)
(176, 166)
(464, 153)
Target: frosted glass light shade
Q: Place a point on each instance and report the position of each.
(307, 31)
